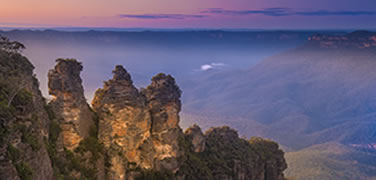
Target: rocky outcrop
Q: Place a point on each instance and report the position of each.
(195, 136)
(233, 158)
(23, 121)
(228, 157)
(69, 103)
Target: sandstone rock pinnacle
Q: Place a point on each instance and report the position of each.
(163, 98)
(69, 103)
(124, 123)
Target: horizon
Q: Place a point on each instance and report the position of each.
(177, 29)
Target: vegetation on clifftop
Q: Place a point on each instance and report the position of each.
(18, 121)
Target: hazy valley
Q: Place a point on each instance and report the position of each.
(311, 92)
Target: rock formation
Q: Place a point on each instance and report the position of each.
(141, 134)
(163, 98)
(23, 121)
(196, 137)
(69, 103)
(129, 134)
(139, 129)
(242, 159)
(73, 144)
(124, 124)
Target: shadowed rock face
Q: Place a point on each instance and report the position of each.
(230, 157)
(69, 103)
(163, 91)
(196, 137)
(24, 123)
(65, 77)
(163, 98)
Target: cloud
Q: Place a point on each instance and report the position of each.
(162, 16)
(335, 13)
(278, 11)
(267, 12)
(206, 67)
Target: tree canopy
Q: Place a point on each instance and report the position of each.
(11, 46)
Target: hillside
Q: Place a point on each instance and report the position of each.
(317, 100)
(331, 161)
(327, 93)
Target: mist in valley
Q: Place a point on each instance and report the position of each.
(185, 55)
(312, 92)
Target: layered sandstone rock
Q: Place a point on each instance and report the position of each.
(139, 128)
(69, 103)
(163, 98)
(124, 123)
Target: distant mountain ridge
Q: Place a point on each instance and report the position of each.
(315, 88)
(214, 37)
(321, 92)
(357, 39)
(180, 54)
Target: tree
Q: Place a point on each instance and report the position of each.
(11, 46)
(13, 89)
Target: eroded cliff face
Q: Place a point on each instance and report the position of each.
(23, 122)
(73, 145)
(69, 103)
(124, 124)
(163, 99)
(139, 130)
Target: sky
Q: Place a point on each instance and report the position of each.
(252, 14)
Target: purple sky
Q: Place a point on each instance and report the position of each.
(265, 14)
